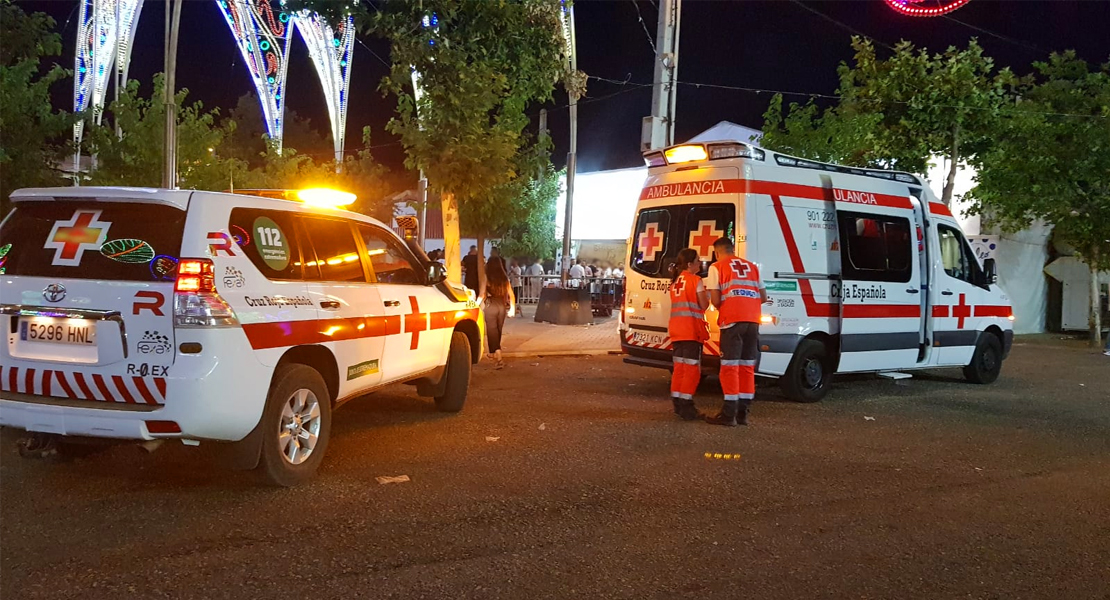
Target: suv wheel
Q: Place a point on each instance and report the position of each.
(809, 374)
(986, 363)
(457, 374)
(296, 425)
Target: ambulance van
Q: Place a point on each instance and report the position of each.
(866, 270)
(145, 314)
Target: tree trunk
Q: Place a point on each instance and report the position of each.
(1096, 306)
(481, 261)
(953, 161)
(451, 249)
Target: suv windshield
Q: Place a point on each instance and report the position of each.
(113, 241)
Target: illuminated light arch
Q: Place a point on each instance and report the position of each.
(925, 8)
(105, 32)
(262, 31)
(331, 51)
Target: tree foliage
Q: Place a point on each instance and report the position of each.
(899, 111)
(34, 137)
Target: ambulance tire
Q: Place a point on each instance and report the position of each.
(289, 379)
(457, 374)
(986, 362)
(809, 374)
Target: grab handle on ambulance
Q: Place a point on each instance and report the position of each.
(946, 293)
(912, 290)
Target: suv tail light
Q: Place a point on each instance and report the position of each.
(196, 303)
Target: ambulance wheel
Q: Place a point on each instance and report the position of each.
(296, 425)
(458, 375)
(986, 363)
(809, 374)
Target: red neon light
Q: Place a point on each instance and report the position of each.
(912, 7)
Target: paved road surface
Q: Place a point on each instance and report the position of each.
(593, 490)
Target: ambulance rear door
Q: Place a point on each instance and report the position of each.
(880, 310)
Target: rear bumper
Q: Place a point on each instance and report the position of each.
(660, 358)
(218, 394)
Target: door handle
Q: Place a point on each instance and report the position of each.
(329, 304)
(913, 290)
(391, 303)
(946, 293)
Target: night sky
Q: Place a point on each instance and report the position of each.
(770, 44)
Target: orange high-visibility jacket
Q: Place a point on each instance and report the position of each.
(687, 322)
(740, 286)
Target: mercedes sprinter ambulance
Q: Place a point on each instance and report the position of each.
(867, 270)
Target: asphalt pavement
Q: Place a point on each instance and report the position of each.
(570, 478)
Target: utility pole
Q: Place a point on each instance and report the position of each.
(169, 140)
(658, 129)
(575, 90)
(542, 136)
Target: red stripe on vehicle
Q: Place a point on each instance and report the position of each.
(65, 384)
(46, 382)
(987, 310)
(100, 385)
(881, 311)
(692, 188)
(29, 381)
(80, 378)
(122, 387)
(13, 379)
(940, 311)
(939, 209)
(293, 333)
(813, 307)
(144, 391)
(160, 383)
(811, 192)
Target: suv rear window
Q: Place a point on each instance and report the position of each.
(661, 232)
(112, 241)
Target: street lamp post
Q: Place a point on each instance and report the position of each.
(575, 89)
(169, 140)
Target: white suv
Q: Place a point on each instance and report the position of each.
(143, 314)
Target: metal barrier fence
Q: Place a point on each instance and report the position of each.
(605, 292)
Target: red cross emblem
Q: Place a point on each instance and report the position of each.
(961, 311)
(415, 322)
(702, 239)
(678, 287)
(651, 241)
(69, 239)
(740, 267)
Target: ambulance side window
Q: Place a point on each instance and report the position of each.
(956, 256)
(706, 224)
(876, 248)
(269, 239)
(651, 242)
(336, 252)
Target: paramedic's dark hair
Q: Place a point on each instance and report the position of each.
(724, 244)
(682, 262)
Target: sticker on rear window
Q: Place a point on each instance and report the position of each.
(128, 251)
(271, 243)
(69, 239)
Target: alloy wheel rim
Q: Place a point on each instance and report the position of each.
(299, 428)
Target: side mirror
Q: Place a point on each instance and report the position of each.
(437, 273)
(990, 270)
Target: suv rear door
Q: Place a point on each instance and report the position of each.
(88, 296)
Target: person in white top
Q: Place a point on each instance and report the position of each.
(618, 272)
(534, 281)
(577, 271)
(516, 281)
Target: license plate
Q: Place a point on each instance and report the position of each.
(58, 330)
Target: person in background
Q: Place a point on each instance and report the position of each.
(738, 294)
(608, 272)
(618, 272)
(496, 253)
(577, 272)
(1106, 350)
(470, 269)
(517, 283)
(688, 330)
(441, 256)
(498, 301)
(535, 279)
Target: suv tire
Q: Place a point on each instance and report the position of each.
(457, 374)
(297, 417)
(809, 374)
(986, 362)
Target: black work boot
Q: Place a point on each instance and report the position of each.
(684, 407)
(742, 414)
(726, 417)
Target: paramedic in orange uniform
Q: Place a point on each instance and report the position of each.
(687, 330)
(737, 292)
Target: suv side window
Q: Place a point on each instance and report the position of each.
(390, 262)
(956, 256)
(876, 248)
(336, 251)
(269, 239)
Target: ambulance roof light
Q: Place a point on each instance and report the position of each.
(654, 159)
(325, 197)
(684, 154)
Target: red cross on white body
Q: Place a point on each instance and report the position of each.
(961, 311)
(415, 322)
(702, 239)
(651, 241)
(69, 239)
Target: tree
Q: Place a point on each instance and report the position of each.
(899, 111)
(34, 138)
(247, 141)
(1051, 161)
(480, 64)
(532, 230)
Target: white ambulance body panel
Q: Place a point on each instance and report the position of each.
(97, 344)
(866, 263)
